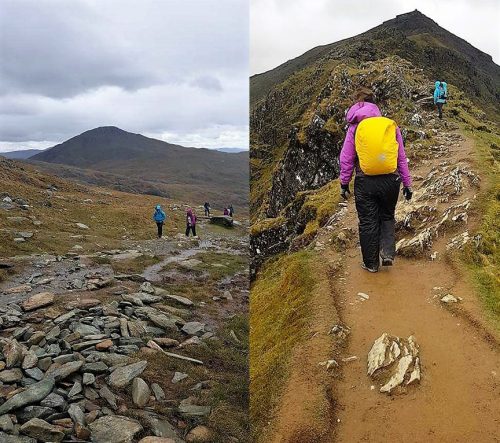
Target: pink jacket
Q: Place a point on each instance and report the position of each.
(348, 156)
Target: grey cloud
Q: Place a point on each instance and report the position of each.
(155, 66)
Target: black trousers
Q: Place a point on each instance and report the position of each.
(440, 109)
(207, 212)
(160, 229)
(191, 228)
(376, 197)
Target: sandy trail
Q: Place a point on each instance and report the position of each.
(458, 397)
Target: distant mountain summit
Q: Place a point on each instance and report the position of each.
(123, 157)
(414, 37)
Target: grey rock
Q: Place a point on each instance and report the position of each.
(11, 375)
(6, 423)
(76, 414)
(54, 401)
(75, 389)
(65, 370)
(13, 352)
(30, 360)
(122, 376)
(140, 392)
(114, 429)
(84, 329)
(158, 392)
(105, 393)
(32, 394)
(97, 367)
(29, 412)
(41, 430)
(45, 363)
(88, 378)
(6, 438)
(179, 376)
(194, 328)
(189, 410)
(65, 317)
(34, 373)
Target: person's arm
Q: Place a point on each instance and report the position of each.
(436, 95)
(347, 156)
(404, 171)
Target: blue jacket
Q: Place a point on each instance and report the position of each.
(159, 216)
(439, 92)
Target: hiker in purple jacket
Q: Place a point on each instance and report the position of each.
(375, 195)
(190, 222)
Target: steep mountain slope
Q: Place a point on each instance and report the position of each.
(21, 155)
(146, 160)
(415, 37)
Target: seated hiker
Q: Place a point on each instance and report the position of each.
(226, 211)
(440, 96)
(206, 205)
(231, 210)
(159, 217)
(190, 222)
(374, 148)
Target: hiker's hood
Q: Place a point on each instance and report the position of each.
(158, 208)
(437, 83)
(362, 110)
(189, 211)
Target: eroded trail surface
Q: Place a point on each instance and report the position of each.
(456, 399)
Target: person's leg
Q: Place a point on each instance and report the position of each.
(389, 193)
(160, 229)
(368, 215)
(193, 228)
(440, 110)
(187, 230)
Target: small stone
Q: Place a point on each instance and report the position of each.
(449, 298)
(158, 392)
(106, 344)
(199, 434)
(41, 430)
(166, 342)
(179, 376)
(363, 296)
(11, 375)
(88, 378)
(82, 226)
(193, 328)
(140, 392)
(54, 401)
(75, 389)
(122, 376)
(114, 429)
(6, 423)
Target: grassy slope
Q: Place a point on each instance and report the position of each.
(111, 216)
(279, 314)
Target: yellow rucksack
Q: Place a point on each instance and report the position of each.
(376, 145)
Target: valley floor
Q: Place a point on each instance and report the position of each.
(328, 396)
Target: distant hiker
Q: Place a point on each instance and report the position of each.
(206, 205)
(440, 96)
(226, 211)
(231, 210)
(374, 148)
(159, 217)
(190, 222)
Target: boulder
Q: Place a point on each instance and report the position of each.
(200, 434)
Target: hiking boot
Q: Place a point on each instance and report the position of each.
(386, 261)
(369, 268)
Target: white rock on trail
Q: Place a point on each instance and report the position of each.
(448, 298)
(394, 361)
(82, 226)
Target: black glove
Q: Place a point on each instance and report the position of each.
(344, 191)
(407, 193)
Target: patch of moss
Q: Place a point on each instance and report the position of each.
(279, 316)
(266, 224)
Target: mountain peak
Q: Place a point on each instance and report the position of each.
(105, 130)
(410, 21)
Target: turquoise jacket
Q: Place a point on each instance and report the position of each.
(440, 93)
(159, 216)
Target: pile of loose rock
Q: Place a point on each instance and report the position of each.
(70, 376)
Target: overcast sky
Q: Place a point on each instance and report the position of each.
(284, 29)
(175, 70)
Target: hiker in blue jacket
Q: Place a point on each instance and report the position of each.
(440, 96)
(159, 217)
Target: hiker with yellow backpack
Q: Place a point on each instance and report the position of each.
(374, 148)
